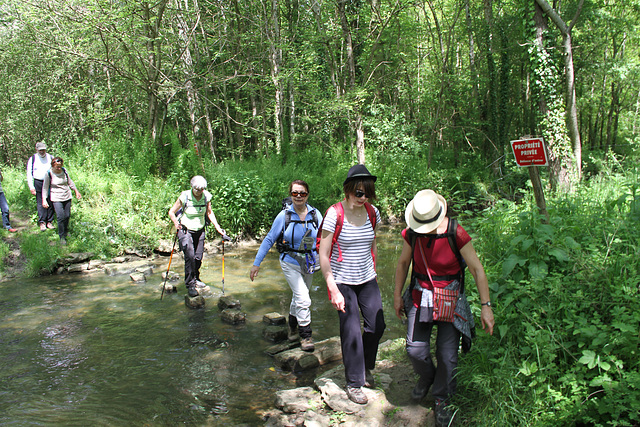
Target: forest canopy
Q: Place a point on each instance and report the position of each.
(154, 86)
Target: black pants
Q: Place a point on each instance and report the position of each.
(44, 214)
(359, 349)
(63, 213)
(192, 246)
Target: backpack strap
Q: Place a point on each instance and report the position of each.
(452, 232)
(371, 212)
(49, 172)
(281, 245)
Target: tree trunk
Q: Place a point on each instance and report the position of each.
(351, 74)
(570, 90)
(275, 60)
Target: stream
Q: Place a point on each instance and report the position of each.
(93, 349)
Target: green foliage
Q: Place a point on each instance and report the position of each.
(567, 312)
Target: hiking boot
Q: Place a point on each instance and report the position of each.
(292, 335)
(420, 390)
(63, 241)
(192, 291)
(43, 226)
(11, 230)
(356, 395)
(444, 417)
(200, 284)
(306, 344)
(369, 381)
(50, 225)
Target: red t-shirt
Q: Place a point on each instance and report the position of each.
(439, 257)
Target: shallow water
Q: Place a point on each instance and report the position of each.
(99, 350)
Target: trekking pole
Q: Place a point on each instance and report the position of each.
(166, 276)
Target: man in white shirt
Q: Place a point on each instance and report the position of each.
(38, 166)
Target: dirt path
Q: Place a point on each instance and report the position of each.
(15, 261)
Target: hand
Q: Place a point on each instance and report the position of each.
(78, 195)
(398, 306)
(337, 300)
(254, 272)
(33, 191)
(487, 319)
(45, 205)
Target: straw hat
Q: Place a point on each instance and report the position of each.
(426, 211)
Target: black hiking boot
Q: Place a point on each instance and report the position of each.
(292, 335)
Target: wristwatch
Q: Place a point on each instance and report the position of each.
(488, 303)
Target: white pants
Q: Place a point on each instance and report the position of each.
(299, 284)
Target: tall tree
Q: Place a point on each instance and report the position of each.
(570, 89)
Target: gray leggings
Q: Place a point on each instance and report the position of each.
(443, 377)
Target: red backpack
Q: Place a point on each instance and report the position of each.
(339, 221)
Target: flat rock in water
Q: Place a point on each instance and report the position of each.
(275, 333)
(138, 277)
(233, 316)
(274, 319)
(195, 302)
(326, 351)
(279, 348)
(226, 302)
(169, 288)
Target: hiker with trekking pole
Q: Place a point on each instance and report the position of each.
(190, 214)
(347, 257)
(294, 232)
(439, 250)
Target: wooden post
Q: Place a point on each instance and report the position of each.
(530, 152)
(538, 193)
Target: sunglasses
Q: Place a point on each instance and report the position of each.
(299, 194)
(360, 193)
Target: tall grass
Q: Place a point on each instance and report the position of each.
(567, 309)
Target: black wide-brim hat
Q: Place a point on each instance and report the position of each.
(359, 171)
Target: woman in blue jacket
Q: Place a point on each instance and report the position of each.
(294, 231)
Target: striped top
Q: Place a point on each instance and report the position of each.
(356, 266)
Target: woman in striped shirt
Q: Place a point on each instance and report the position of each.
(349, 270)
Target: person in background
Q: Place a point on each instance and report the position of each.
(189, 215)
(37, 167)
(294, 231)
(349, 269)
(4, 206)
(56, 187)
(437, 272)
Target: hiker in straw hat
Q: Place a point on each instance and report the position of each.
(439, 249)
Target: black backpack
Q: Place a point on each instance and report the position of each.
(281, 245)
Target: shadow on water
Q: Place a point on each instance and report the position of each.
(94, 349)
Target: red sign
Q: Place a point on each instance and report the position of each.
(529, 152)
